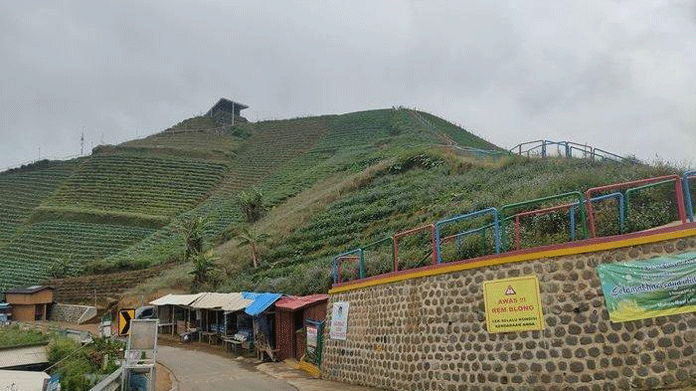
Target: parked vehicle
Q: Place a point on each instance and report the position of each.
(146, 312)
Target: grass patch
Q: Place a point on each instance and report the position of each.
(13, 337)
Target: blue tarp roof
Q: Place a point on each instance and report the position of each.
(261, 301)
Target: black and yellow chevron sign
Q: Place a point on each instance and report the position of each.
(124, 318)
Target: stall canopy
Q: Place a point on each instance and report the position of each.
(292, 303)
(228, 302)
(261, 301)
(180, 300)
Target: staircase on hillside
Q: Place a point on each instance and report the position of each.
(447, 139)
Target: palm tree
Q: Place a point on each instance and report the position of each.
(203, 264)
(251, 203)
(247, 236)
(192, 230)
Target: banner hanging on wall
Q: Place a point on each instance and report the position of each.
(513, 304)
(339, 320)
(650, 288)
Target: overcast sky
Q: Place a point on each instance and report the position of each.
(619, 75)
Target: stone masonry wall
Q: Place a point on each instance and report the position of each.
(430, 333)
(71, 312)
(78, 290)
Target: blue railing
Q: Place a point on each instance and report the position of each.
(687, 193)
(361, 263)
(483, 212)
(541, 147)
(617, 195)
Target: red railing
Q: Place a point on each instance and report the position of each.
(399, 235)
(534, 213)
(679, 195)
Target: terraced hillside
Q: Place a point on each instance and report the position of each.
(47, 243)
(151, 186)
(23, 190)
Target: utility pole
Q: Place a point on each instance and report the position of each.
(82, 144)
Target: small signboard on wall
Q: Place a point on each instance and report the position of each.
(513, 304)
(339, 320)
(646, 289)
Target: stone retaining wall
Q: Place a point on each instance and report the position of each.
(429, 333)
(72, 313)
(79, 290)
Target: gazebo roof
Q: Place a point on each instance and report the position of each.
(227, 105)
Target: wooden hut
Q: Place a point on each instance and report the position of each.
(31, 303)
(292, 317)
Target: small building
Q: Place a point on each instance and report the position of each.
(23, 380)
(263, 321)
(174, 311)
(25, 358)
(292, 316)
(31, 303)
(227, 111)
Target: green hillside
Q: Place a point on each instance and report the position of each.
(123, 183)
(329, 183)
(21, 191)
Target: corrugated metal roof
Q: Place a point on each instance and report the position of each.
(261, 301)
(236, 303)
(22, 380)
(22, 356)
(172, 299)
(233, 301)
(293, 303)
(29, 289)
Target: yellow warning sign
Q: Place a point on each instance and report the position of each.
(513, 304)
(124, 318)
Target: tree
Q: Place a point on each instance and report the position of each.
(203, 264)
(192, 231)
(251, 203)
(247, 236)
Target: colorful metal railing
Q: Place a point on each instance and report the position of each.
(621, 211)
(399, 235)
(512, 207)
(687, 193)
(355, 256)
(478, 213)
(458, 236)
(566, 149)
(633, 190)
(679, 195)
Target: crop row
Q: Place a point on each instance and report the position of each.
(138, 184)
(29, 256)
(22, 191)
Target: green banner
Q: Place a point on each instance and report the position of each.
(650, 288)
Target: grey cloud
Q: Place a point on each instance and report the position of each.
(618, 75)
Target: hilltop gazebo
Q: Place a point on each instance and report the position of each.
(227, 111)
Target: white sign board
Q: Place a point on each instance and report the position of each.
(339, 320)
(143, 334)
(311, 340)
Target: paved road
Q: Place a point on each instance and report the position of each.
(197, 370)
